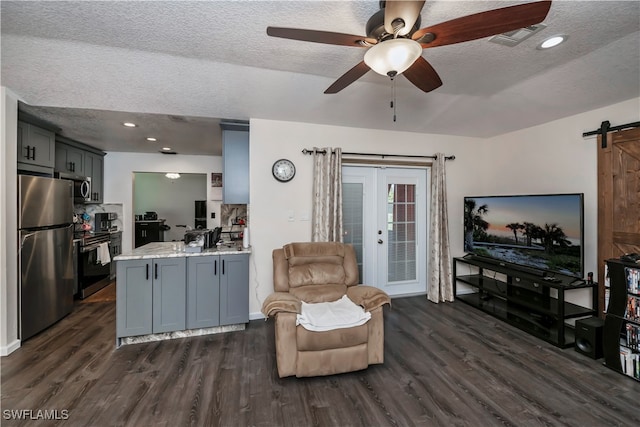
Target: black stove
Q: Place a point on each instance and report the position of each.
(93, 264)
(89, 238)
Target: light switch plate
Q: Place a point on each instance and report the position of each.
(291, 215)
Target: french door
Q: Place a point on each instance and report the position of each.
(385, 219)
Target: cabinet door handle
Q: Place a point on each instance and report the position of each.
(156, 273)
(34, 153)
(28, 148)
(215, 267)
(222, 266)
(147, 271)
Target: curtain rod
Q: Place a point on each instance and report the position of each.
(306, 151)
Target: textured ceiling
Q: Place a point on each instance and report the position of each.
(81, 61)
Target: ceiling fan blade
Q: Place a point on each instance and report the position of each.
(483, 24)
(327, 37)
(349, 77)
(408, 11)
(423, 76)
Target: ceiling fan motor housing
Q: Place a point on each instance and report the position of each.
(375, 26)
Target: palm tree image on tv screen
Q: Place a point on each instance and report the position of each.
(544, 232)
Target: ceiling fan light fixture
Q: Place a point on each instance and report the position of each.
(395, 55)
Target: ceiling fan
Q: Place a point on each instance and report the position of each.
(394, 41)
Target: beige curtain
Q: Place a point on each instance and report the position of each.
(440, 284)
(326, 224)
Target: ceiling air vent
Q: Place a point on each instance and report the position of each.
(515, 37)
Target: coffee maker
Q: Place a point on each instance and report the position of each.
(104, 222)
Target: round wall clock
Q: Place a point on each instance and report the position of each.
(283, 170)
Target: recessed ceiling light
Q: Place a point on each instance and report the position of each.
(129, 124)
(552, 41)
(150, 139)
(166, 148)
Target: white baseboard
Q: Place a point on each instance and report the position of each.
(256, 316)
(6, 350)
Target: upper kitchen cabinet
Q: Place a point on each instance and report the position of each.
(235, 162)
(36, 148)
(74, 158)
(93, 168)
(69, 159)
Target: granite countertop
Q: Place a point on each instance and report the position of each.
(176, 250)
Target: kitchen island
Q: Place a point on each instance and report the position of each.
(163, 292)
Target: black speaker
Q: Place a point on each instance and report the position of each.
(589, 337)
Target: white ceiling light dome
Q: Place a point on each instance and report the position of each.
(391, 57)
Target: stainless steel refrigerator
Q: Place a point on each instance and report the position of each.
(45, 229)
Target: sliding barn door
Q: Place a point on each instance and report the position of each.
(619, 198)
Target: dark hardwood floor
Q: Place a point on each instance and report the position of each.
(445, 364)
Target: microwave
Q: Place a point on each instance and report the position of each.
(81, 187)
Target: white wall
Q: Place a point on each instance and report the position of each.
(549, 158)
(118, 181)
(271, 200)
(8, 222)
(555, 158)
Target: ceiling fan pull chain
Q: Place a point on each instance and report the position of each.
(393, 97)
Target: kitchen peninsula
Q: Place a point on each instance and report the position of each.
(164, 292)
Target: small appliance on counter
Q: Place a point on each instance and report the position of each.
(203, 239)
(104, 222)
(150, 216)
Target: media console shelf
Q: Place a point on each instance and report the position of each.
(523, 298)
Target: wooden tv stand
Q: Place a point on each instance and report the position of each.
(523, 297)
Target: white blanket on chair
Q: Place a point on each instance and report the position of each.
(326, 316)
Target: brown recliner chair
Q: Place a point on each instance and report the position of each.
(314, 273)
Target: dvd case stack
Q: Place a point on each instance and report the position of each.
(629, 353)
(622, 320)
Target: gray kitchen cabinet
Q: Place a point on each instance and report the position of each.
(115, 249)
(235, 164)
(169, 295)
(234, 289)
(69, 159)
(177, 293)
(217, 290)
(151, 296)
(203, 291)
(93, 168)
(76, 158)
(36, 147)
(134, 298)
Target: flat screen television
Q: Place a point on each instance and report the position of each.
(542, 232)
